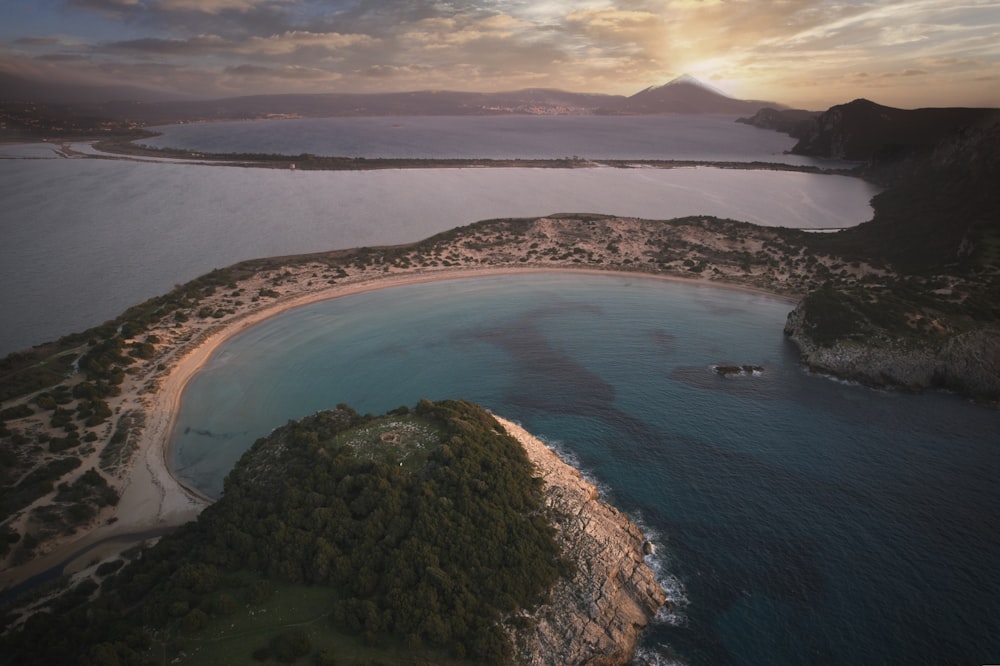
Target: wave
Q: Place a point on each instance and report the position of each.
(660, 655)
(571, 459)
(658, 559)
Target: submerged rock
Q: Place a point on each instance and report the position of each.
(745, 369)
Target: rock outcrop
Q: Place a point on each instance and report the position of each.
(862, 130)
(968, 362)
(796, 123)
(596, 617)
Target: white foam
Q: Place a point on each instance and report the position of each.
(660, 655)
(658, 559)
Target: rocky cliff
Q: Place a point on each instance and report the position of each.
(596, 617)
(967, 362)
(862, 130)
(796, 123)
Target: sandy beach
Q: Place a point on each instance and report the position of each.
(152, 500)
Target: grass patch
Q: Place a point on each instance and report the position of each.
(233, 640)
(400, 440)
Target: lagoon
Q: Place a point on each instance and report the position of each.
(652, 137)
(85, 239)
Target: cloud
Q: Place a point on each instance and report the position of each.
(103, 4)
(290, 72)
(62, 57)
(200, 44)
(36, 41)
(295, 40)
(446, 32)
(764, 50)
(217, 6)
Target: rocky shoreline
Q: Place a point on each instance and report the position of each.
(967, 363)
(598, 615)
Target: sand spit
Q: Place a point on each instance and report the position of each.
(151, 497)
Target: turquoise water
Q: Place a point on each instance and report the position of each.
(799, 520)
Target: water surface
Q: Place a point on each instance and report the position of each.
(663, 137)
(86, 239)
(807, 521)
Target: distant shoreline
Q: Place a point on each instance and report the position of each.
(124, 148)
(127, 148)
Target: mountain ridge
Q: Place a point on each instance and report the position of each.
(685, 95)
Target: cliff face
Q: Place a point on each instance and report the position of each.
(796, 123)
(968, 362)
(862, 130)
(596, 617)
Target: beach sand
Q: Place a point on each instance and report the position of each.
(152, 499)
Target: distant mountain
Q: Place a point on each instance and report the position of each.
(863, 130)
(416, 103)
(19, 89)
(122, 103)
(796, 123)
(686, 94)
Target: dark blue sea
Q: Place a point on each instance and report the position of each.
(798, 520)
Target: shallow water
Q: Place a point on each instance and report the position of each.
(86, 239)
(806, 520)
(665, 137)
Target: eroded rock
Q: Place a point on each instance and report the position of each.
(596, 617)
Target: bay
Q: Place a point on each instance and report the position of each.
(798, 519)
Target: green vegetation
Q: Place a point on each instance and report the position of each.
(35, 484)
(420, 530)
(907, 309)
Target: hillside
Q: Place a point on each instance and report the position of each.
(934, 321)
(686, 94)
(863, 130)
(32, 108)
(430, 530)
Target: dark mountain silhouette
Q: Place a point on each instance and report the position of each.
(941, 210)
(686, 94)
(863, 130)
(940, 167)
(19, 89)
(683, 95)
(796, 123)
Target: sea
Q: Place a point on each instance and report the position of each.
(796, 519)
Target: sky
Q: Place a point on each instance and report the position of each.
(803, 53)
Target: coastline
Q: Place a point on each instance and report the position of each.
(151, 494)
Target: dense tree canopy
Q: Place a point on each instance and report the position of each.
(426, 526)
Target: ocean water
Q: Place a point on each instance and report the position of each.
(798, 520)
(666, 137)
(85, 239)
